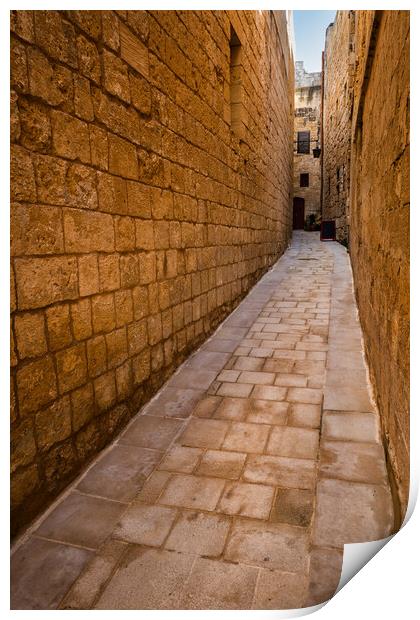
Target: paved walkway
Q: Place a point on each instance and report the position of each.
(237, 485)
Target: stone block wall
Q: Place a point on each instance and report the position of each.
(307, 118)
(338, 70)
(379, 220)
(139, 218)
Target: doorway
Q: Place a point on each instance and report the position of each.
(298, 213)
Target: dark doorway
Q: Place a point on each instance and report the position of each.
(298, 213)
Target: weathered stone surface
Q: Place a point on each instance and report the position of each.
(42, 281)
(147, 579)
(36, 384)
(219, 585)
(199, 533)
(145, 525)
(72, 520)
(30, 335)
(95, 576)
(340, 508)
(42, 571)
(268, 545)
(120, 472)
(280, 590)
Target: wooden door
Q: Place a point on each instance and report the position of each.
(298, 213)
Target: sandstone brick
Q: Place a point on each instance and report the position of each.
(103, 313)
(96, 356)
(81, 319)
(122, 157)
(105, 391)
(88, 231)
(51, 179)
(140, 94)
(123, 307)
(88, 275)
(22, 23)
(30, 335)
(141, 367)
(154, 328)
(22, 447)
(98, 147)
(82, 404)
(71, 367)
(138, 199)
(144, 235)
(140, 302)
(88, 58)
(88, 21)
(58, 327)
(15, 129)
(116, 116)
(112, 193)
(110, 30)
(36, 385)
(161, 235)
(22, 176)
(109, 272)
(147, 261)
(137, 337)
(124, 234)
(116, 76)
(35, 230)
(129, 268)
(116, 345)
(50, 82)
(55, 36)
(81, 187)
(70, 137)
(123, 377)
(59, 462)
(139, 21)
(35, 125)
(53, 424)
(18, 66)
(134, 51)
(42, 281)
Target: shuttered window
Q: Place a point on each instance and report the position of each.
(303, 141)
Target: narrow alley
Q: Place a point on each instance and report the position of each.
(209, 303)
(238, 484)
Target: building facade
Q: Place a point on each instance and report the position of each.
(380, 221)
(151, 182)
(337, 101)
(365, 157)
(306, 167)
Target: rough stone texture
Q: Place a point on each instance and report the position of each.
(307, 118)
(379, 239)
(338, 76)
(132, 191)
(366, 121)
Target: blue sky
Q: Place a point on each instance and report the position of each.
(310, 29)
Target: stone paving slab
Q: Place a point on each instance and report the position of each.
(238, 484)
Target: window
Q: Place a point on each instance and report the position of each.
(304, 179)
(236, 113)
(303, 141)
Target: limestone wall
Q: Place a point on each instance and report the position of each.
(140, 216)
(379, 219)
(339, 58)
